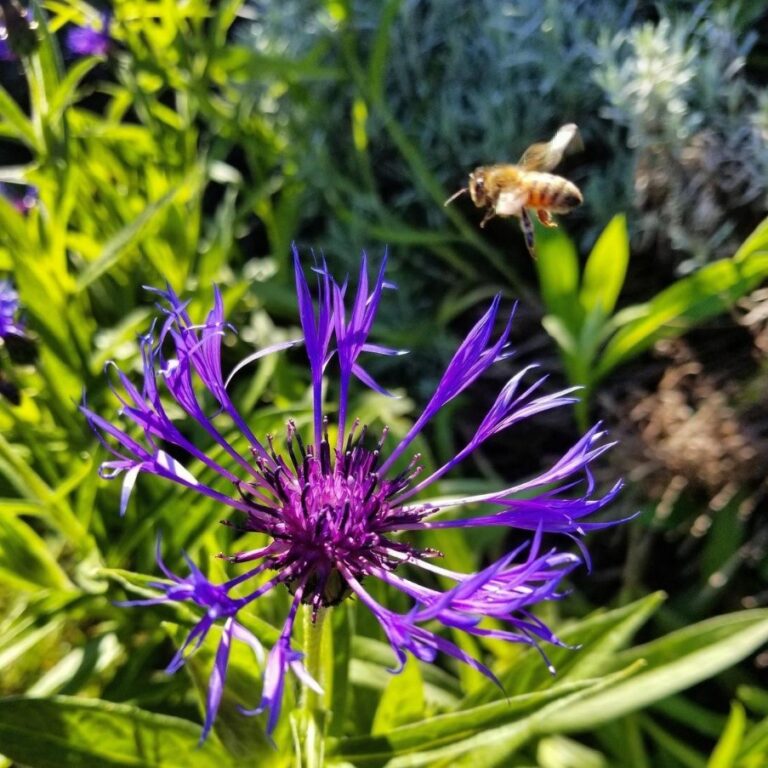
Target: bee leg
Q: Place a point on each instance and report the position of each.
(489, 214)
(527, 225)
(545, 217)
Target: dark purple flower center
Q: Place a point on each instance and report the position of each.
(328, 512)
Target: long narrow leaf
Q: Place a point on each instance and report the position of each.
(63, 732)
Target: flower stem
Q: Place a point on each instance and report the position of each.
(314, 717)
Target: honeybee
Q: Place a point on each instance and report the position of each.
(509, 190)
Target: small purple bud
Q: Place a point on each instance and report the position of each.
(91, 40)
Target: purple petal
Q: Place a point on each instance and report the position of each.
(475, 355)
(198, 633)
(91, 40)
(369, 382)
(508, 409)
(280, 658)
(9, 309)
(141, 602)
(317, 331)
(352, 336)
(377, 349)
(217, 678)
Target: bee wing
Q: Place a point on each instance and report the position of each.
(510, 203)
(545, 156)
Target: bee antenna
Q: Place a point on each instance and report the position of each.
(455, 195)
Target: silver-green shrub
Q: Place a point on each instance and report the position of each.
(696, 129)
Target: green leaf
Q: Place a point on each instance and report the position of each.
(371, 660)
(559, 331)
(606, 268)
(110, 339)
(495, 744)
(562, 752)
(25, 561)
(226, 14)
(378, 63)
(597, 656)
(675, 662)
(67, 90)
(22, 636)
(755, 698)
(707, 293)
(402, 702)
(664, 742)
(33, 487)
(754, 751)
(688, 713)
(80, 666)
(47, 65)
(558, 267)
(729, 744)
(16, 120)
(128, 238)
(452, 725)
(757, 242)
(65, 732)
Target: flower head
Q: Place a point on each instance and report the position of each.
(10, 325)
(338, 512)
(91, 40)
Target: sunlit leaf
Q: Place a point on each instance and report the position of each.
(64, 732)
(729, 744)
(402, 701)
(675, 662)
(706, 293)
(558, 267)
(606, 268)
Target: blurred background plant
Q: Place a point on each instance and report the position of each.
(199, 142)
(694, 126)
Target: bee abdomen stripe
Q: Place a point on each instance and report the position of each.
(556, 194)
(542, 191)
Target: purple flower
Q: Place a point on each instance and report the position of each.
(6, 54)
(333, 510)
(91, 40)
(23, 197)
(10, 325)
